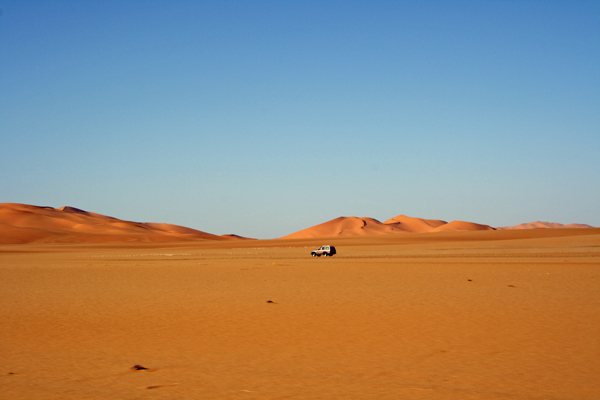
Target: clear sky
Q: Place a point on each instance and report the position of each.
(262, 118)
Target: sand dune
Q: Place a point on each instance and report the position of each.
(456, 226)
(22, 223)
(410, 224)
(346, 226)
(353, 226)
(545, 225)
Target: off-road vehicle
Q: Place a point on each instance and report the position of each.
(325, 251)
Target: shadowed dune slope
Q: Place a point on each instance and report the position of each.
(234, 236)
(22, 223)
(410, 224)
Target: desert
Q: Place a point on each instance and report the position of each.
(178, 313)
(299, 200)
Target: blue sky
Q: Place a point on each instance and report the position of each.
(262, 118)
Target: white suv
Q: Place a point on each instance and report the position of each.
(325, 251)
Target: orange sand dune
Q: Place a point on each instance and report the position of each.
(21, 223)
(353, 226)
(545, 225)
(411, 224)
(346, 226)
(455, 226)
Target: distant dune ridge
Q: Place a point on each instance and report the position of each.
(22, 223)
(545, 225)
(352, 226)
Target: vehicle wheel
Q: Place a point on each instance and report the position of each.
(314, 254)
(325, 254)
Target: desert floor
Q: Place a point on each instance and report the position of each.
(456, 315)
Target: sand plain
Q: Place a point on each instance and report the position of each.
(512, 314)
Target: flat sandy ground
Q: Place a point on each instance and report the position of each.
(464, 315)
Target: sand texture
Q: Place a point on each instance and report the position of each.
(486, 314)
